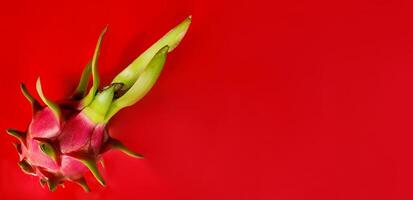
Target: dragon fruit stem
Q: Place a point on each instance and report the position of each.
(130, 74)
(96, 111)
(142, 85)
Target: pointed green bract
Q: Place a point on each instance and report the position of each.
(131, 73)
(35, 104)
(142, 86)
(26, 167)
(95, 74)
(83, 184)
(26, 93)
(52, 184)
(53, 106)
(48, 150)
(96, 111)
(117, 145)
(92, 166)
(21, 136)
(42, 182)
(80, 91)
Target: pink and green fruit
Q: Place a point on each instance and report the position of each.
(66, 139)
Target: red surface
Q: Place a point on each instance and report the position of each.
(282, 100)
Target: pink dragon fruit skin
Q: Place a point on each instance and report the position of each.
(65, 140)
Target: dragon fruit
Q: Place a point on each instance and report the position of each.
(67, 138)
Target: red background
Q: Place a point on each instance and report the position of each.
(262, 100)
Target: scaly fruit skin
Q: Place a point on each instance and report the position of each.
(66, 139)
